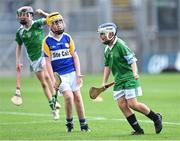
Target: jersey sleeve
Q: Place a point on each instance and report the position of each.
(18, 38)
(127, 53)
(71, 46)
(46, 50)
(40, 22)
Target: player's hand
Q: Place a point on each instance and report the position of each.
(79, 80)
(39, 11)
(136, 76)
(19, 66)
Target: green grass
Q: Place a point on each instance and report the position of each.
(33, 121)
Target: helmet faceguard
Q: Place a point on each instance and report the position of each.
(55, 18)
(107, 28)
(24, 11)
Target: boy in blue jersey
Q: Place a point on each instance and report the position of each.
(61, 57)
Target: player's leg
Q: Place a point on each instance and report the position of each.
(75, 87)
(142, 108)
(130, 116)
(38, 66)
(40, 75)
(49, 81)
(80, 110)
(51, 87)
(65, 90)
(68, 105)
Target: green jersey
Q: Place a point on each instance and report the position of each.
(119, 59)
(32, 39)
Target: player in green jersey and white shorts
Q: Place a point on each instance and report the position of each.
(121, 61)
(31, 34)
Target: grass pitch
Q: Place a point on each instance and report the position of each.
(33, 120)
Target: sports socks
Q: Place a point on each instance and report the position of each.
(52, 104)
(153, 116)
(18, 92)
(133, 122)
(54, 97)
(69, 120)
(82, 121)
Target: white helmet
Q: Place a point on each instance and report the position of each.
(107, 27)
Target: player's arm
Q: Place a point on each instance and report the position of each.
(77, 67)
(50, 70)
(75, 58)
(42, 13)
(129, 56)
(134, 70)
(106, 74)
(18, 54)
(47, 55)
(107, 70)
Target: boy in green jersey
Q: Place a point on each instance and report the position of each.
(121, 61)
(31, 34)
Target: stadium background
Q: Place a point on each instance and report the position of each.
(150, 28)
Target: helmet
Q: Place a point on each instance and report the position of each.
(53, 17)
(107, 28)
(25, 9)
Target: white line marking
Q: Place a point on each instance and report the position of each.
(89, 118)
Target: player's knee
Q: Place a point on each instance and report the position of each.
(132, 105)
(123, 105)
(68, 99)
(78, 99)
(47, 78)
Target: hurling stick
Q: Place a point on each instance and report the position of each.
(18, 79)
(16, 99)
(94, 91)
(58, 81)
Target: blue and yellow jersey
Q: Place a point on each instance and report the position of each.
(60, 51)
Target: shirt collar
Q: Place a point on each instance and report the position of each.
(29, 26)
(115, 40)
(51, 34)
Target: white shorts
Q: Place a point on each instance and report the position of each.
(69, 82)
(38, 65)
(128, 93)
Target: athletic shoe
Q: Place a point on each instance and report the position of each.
(55, 114)
(17, 100)
(140, 132)
(69, 127)
(158, 124)
(85, 128)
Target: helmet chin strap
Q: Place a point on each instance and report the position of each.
(23, 22)
(59, 32)
(108, 39)
(107, 36)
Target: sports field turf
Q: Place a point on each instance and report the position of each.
(33, 121)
